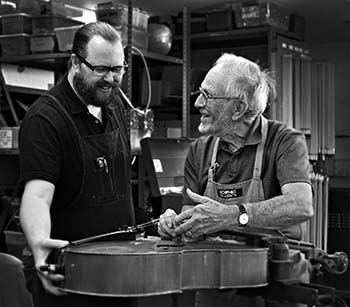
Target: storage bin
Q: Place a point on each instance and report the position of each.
(65, 36)
(15, 44)
(140, 19)
(16, 23)
(220, 18)
(47, 23)
(253, 14)
(139, 38)
(43, 43)
(117, 15)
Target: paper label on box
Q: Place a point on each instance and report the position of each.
(5, 138)
(158, 166)
(250, 12)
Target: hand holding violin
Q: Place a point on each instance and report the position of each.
(41, 252)
(166, 224)
(208, 216)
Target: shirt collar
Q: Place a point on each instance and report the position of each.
(76, 105)
(254, 136)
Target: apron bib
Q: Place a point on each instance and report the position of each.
(248, 191)
(104, 202)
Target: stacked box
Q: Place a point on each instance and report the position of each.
(65, 36)
(117, 15)
(16, 23)
(45, 24)
(139, 38)
(254, 14)
(15, 44)
(43, 43)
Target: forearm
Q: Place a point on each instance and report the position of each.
(279, 211)
(35, 219)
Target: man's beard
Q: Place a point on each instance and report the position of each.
(90, 92)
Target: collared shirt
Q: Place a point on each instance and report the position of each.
(285, 160)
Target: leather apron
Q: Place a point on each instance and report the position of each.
(104, 203)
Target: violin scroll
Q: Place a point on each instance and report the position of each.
(336, 263)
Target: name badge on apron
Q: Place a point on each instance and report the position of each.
(230, 193)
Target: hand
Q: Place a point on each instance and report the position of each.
(208, 216)
(40, 253)
(166, 224)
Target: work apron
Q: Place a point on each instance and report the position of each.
(248, 191)
(104, 202)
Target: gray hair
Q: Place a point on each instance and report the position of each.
(248, 81)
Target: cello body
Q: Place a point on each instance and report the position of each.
(145, 267)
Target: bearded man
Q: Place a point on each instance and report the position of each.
(75, 162)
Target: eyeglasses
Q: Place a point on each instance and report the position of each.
(208, 96)
(104, 70)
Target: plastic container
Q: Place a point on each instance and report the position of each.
(47, 23)
(15, 44)
(139, 38)
(253, 14)
(16, 23)
(65, 37)
(41, 43)
(117, 15)
(140, 19)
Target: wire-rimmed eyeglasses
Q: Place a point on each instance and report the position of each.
(208, 96)
(102, 70)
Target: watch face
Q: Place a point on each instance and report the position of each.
(243, 219)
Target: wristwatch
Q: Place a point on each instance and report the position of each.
(243, 217)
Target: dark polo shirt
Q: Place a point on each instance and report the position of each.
(285, 160)
(48, 146)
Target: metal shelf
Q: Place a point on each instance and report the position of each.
(160, 57)
(25, 90)
(33, 57)
(240, 33)
(9, 152)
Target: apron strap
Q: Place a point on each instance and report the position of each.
(65, 114)
(260, 149)
(213, 161)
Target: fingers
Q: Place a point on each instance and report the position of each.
(196, 197)
(185, 228)
(166, 224)
(53, 243)
(47, 282)
(41, 252)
